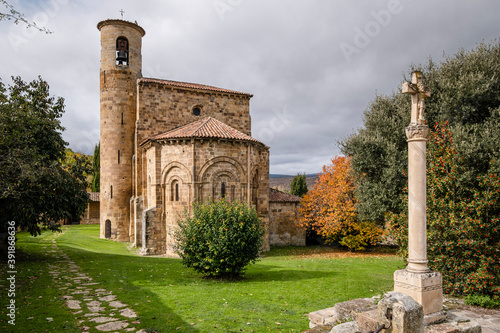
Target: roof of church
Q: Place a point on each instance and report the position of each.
(278, 196)
(206, 128)
(188, 85)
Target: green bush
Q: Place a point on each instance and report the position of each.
(482, 301)
(220, 239)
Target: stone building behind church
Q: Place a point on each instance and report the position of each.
(167, 144)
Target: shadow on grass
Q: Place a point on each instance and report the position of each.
(123, 275)
(267, 273)
(172, 270)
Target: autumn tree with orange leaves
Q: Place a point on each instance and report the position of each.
(329, 208)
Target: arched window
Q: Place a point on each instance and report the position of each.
(174, 191)
(222, 184)
(255, 189)
(121, 51)
(107, 229)
(223, 190)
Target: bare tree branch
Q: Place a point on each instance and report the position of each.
(13, 15)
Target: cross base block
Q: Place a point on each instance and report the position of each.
(425, 288)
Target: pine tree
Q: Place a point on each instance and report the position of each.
(96, 169)
(298, 186)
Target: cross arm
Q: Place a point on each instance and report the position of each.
(409, 88)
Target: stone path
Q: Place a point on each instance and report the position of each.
(96, 309)
(490, 323)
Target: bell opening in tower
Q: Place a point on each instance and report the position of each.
(122, 51)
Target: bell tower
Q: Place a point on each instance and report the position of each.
(121, 64)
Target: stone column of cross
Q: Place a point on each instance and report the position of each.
(417, 133)
(417, 280)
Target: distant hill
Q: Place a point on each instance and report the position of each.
(274, 175)
(282, 182)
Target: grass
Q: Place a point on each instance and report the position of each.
(37, 296)
(275, 295)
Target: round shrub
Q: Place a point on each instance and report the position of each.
(220, 239)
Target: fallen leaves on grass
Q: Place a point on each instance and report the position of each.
(327, 253)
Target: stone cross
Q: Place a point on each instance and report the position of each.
(418, 93)
(417, 280)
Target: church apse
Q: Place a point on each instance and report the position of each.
(204, 161)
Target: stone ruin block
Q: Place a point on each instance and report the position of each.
(407, 314)
(345, 311)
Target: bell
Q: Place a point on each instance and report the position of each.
(121, 57)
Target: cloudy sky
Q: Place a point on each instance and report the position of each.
(313, 66)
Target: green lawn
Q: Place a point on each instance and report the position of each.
(275, 295)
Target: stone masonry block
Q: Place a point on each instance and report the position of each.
(367, 321)
(407, 314)
(425, 288)
(349, 310)
(343, 311)
(322, 317)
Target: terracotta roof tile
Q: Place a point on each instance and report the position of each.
(278, 196)
(188, 85)
(206, 128)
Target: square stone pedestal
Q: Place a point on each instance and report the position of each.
(425, 288)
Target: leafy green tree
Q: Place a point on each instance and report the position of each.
(298, 186)
(465, 91)
(36, 187)
(220, 239)
(95, 184)
(72, 159)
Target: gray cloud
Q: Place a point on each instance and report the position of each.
(308, 92)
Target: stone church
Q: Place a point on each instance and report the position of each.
(166, 144)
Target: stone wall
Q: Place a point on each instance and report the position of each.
(283, 230)
(153, 233)
(92, 213)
